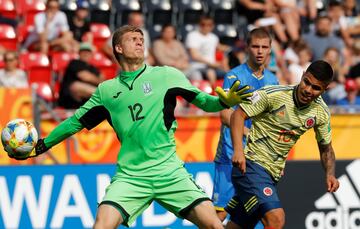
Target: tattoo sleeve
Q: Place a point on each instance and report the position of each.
(327, 156)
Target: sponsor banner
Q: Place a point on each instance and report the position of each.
(66, 196)
(307, 204)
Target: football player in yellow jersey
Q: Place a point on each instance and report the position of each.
(280, 115)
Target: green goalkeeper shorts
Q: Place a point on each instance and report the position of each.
(177, 192)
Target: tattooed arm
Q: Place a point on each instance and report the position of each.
(328, 162)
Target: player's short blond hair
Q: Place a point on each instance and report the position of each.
(119, 33)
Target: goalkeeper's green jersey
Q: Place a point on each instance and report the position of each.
(140, 107)
(278, 122)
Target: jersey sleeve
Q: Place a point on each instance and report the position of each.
(323, 129)
(93, 112)
(229, 79)
(259, 104)
(64, 130)
(179, 85)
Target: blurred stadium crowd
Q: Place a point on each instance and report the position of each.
(203, 38)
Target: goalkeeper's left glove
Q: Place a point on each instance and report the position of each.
(234, 96)
(39, 148)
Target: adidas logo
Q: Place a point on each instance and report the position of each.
(339, 210)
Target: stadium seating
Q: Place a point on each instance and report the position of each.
(23, 31)
(120, 10)
(227, 33)
(162, 9)
(44, 91)
(222, 11)
(154, 32)
(188, 15)
(105, 65)
(184, 30)
(2, 63)
(101, 33)
(68, 7)
(28, 9)
(189, 12)
(8, 37)
(59, 62)
(37, 66)
(100, 11)
(7, 9)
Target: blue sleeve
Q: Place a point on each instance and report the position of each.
(229, 79)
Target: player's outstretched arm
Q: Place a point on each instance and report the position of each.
(235, 95)
(64, 130)
(327, 156)
(237, 121)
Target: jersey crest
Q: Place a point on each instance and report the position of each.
(310, 122)
(147, 88)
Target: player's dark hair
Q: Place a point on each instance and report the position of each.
(119, 33)
(258, 33)
(321, 70)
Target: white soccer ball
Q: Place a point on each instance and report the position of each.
(19, 138)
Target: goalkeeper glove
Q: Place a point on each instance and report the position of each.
(234, 95)
(40, 148)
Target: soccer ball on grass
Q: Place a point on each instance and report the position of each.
(19, 138)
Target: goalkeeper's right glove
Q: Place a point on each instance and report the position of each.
(39, 148)
(234, 96)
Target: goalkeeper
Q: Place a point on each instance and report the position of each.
(139, 104)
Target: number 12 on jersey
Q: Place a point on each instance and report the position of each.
(135, 111)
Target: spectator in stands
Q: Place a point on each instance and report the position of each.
(51, 31)
(336, 88)
(11, 75)
(297, 68)
(350, 8)
(339, 22)
(202, 44)
(290, 17)
(352, 18)
(354, 73)
(80, 79)
(262, 13)
(80, 24)
(352, 91)
(169, 51)
(322, 37)
(307, 9)
(136, 19)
